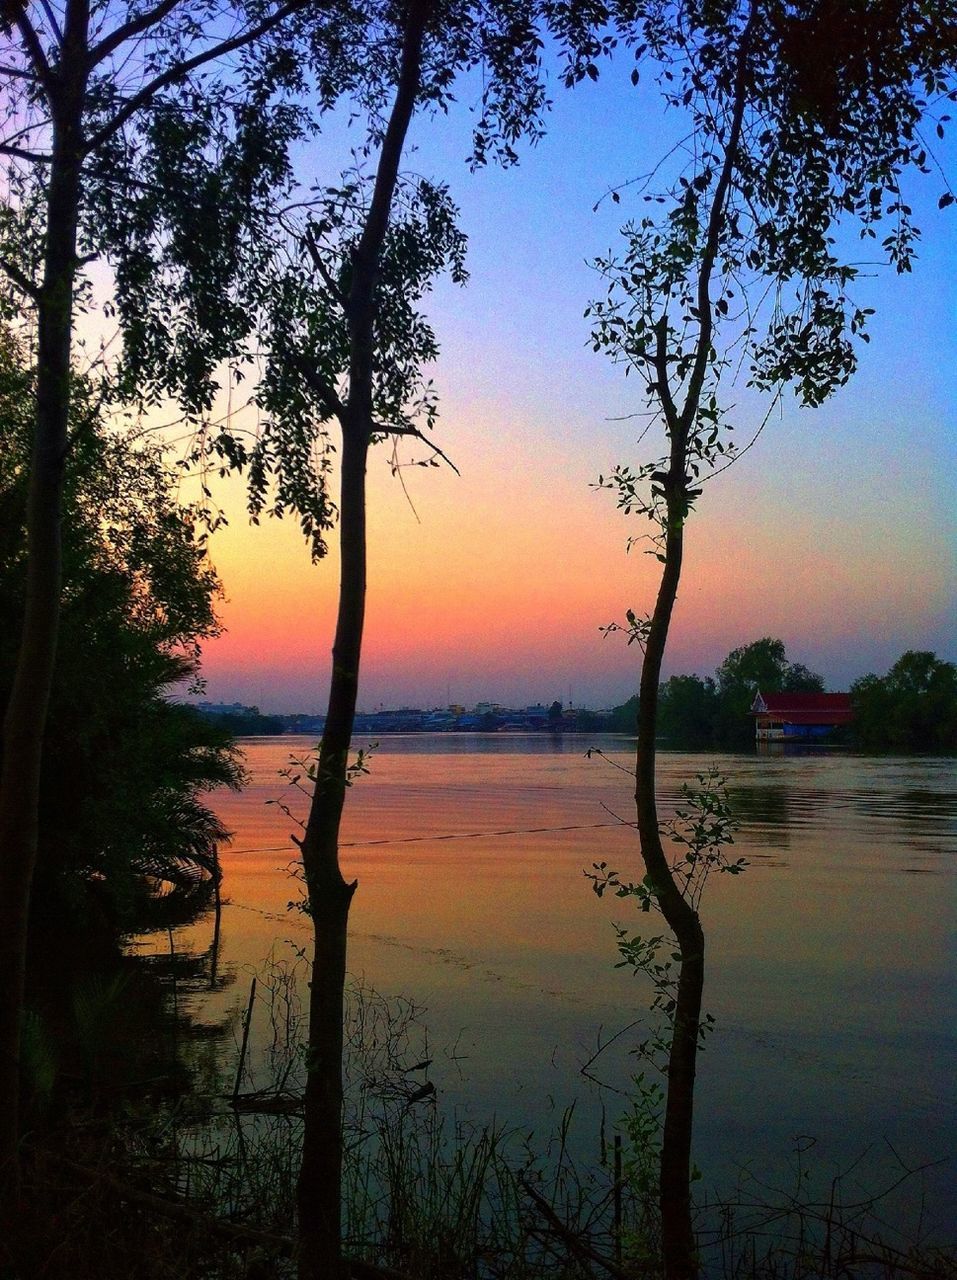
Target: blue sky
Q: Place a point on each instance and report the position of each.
(837, 531)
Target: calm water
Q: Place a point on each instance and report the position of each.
(830, 962)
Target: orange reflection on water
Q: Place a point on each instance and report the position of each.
(834, 1013)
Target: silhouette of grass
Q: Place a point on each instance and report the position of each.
(199, 1187)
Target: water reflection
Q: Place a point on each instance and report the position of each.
(765, 816)
(835, 1014)
(491, 744)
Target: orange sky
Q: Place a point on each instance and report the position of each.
(836, 532)
(498, 589)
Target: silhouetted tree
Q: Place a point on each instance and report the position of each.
(124, 839)
(688, 711)
(77, 79)
(777, 160)
(624, 719)
(912, 708)
(761, 665)
(345, 343)
(249, 723)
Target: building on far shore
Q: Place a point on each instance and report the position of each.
(799, 717)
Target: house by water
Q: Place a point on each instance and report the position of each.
(799, 717)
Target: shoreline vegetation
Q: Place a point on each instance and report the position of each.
(179, 1160)
(156, 1146)
(173, 226)
(913, 708)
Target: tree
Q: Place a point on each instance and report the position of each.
(912, 708)
(687, 711)
(121, 811)
(329, 896)
(75, 81)
(804, 117)
(761, 666)
(248, 722)
(344, 344)
(624, 719)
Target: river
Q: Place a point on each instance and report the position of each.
(830, 960)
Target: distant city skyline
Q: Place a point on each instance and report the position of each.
(274, 696)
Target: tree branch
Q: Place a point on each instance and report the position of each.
(328, 396)
(713, 238)
(382, 429)
(51, 18)
(35, 157)
(35, 50)
(377, 221)
(182, 69)
(17, 73)
(661, 372)
(20, 279)
(575, 1244)
(329, 280)
(136, 26)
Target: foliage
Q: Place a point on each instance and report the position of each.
(586, 721)
(688, 711)
(695, 712)
(244, 724)
(912, 708)
(223, 259)
(763, 665)
(304, 306)
(125, 769)
(741, 265)
(624, 718)
(697, 835)
(426, 1193)
(304, 326)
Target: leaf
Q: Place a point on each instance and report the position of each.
(946, 199)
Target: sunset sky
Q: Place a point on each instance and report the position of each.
(836, 532)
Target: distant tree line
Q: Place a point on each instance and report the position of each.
(912, 708)
(244, 724)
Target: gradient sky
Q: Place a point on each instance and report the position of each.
(836, 532)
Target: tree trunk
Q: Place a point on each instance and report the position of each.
(677, 1234)
(320, 1178)
(319, 1190)
(26, 712)
(675, 1176)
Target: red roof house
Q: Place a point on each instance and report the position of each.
(780, 717)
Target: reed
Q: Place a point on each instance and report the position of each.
(202, 1186)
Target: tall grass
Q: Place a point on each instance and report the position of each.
(202, 1184)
